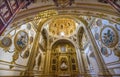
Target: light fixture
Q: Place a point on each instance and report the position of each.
(62, 34)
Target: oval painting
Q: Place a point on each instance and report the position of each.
(21, 40)
(109, 36)
(99, 22)
(6, 42)
(104, 51)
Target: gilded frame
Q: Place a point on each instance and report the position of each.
(6, 48)
(15, 40)
(116, 41)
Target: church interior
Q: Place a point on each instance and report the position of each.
(59, 38)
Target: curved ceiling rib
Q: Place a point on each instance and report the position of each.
(85, 9)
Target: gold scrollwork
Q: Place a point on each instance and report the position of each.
(46, 14)
(14, 58)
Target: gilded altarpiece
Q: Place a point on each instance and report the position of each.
(63, 60)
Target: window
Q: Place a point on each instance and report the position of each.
(63, 49)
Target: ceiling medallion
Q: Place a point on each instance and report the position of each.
(21, 40)
(6, 42)
(109, 36)
(63, 3)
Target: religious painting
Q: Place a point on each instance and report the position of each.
(6, 42)
(21, 40)
(109, 36)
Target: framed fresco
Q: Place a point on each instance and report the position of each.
(117, 27)
(109, 36)
(6, 42)
(21, 40)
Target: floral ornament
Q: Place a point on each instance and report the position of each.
(14, 58)
(109, 36)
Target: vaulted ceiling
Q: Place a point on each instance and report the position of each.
(77, 7)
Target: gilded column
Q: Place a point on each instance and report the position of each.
(32, 57)
(48, 57)
(34, 50)
(47, 65)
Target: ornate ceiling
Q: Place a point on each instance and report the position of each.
(62, 26)
(77, 7)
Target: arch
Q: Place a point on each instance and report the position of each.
(77, 19)
(103, 11)
(62, 40)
